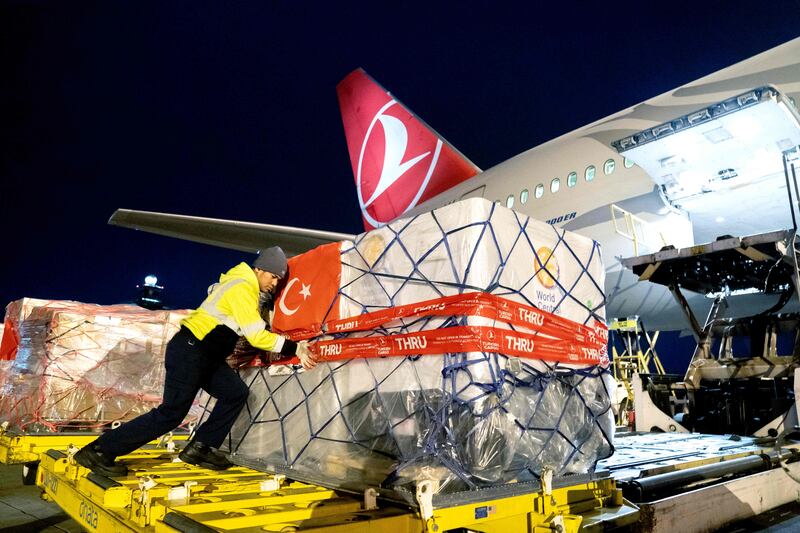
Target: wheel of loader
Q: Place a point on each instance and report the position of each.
(29, 473)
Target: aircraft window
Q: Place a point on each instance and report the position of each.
(510, 201)
(589, 174)
(555, 185)
(523, 196)
(608, 167)
(572, 179)
(627, 162)
(538, 191)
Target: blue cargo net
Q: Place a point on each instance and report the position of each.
(467, 420)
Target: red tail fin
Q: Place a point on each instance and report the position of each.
(398, 160)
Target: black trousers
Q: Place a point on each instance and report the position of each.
(189, 369)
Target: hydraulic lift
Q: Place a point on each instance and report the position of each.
(738, 379)
(728, 386)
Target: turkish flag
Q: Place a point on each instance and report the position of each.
(311, 294)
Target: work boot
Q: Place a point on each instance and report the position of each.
(198, 454)
(95, 460)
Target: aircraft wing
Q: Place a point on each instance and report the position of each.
(238, 235)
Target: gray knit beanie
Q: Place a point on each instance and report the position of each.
(272, 260)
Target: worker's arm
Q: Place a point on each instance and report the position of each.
(304, 354)
(242, 304)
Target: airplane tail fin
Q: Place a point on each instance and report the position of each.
(398, 160)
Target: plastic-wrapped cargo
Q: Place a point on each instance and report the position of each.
(491, 329)
(16, 312)
(83, 366)
(5, 362)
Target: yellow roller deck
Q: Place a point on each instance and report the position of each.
(27, 448)
(162, 494)
(21, 448)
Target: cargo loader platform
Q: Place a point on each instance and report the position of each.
(670, 476)
(160, 493)
(698, 482)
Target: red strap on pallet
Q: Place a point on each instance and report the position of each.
(460, 339)
(474, 304)
(555, 338)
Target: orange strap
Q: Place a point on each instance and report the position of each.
(563, 340)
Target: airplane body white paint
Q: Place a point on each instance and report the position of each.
(684, 213)
(743, 209)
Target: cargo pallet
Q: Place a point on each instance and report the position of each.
(162, 494)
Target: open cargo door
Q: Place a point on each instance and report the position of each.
(723, 164)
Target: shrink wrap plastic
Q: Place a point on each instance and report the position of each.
(5, 364)
(82, 366)
(465, 420)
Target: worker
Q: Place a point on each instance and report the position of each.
(195, 359)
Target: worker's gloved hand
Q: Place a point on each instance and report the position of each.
(306, 356)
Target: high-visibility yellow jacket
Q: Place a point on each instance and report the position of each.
(233, 302)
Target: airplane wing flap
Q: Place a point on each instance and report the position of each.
(237, 235)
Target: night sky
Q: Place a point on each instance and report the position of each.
(229, 110)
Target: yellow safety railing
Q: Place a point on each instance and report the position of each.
(637, 356)
(638, 230)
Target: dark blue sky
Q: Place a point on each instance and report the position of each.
(228, 109)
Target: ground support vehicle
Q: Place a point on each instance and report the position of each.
(740, 378)
(680, 482)
(163, 494)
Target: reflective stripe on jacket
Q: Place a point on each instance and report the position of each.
(233, 302)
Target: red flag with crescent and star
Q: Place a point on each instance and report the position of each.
(311, 294)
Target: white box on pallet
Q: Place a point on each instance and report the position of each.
(465, 419)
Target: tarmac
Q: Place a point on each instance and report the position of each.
(23, 510)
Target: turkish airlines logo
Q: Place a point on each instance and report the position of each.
(415, 169)
(305, 292)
